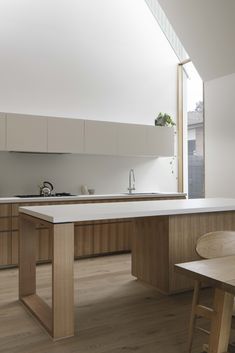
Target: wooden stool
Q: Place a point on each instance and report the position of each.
(211, 245)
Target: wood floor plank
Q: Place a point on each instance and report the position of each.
(116, 313)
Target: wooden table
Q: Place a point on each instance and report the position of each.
(220, 273)
(164, 233)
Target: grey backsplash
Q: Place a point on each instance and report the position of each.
(21, 173)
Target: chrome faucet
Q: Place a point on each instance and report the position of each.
(131, 181)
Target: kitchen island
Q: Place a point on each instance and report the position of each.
(92, 238)
(165, 233)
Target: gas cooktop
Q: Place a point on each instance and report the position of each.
(58, 194)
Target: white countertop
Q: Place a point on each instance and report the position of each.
(89, 197)
(115, 210)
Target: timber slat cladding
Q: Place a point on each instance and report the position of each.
(5, 248)
(160, 242)
(100, 238)
(15, 223)
(5, 234)
(15, 208)
(150, 256)
(185, 227)
(5, 224)
(14, 247)
(44, 245)
(5, 210)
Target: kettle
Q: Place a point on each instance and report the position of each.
(46, 188)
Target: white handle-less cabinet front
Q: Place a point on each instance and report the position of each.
(131, 140)
(2, 132)
(159, 141)
(109, 138)
(65, 135)
(100, 137)
(145, 140)
(26, 133)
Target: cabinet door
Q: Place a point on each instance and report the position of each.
(26, 133)
(2, 132)
(5, 246)
(65, 135)
(5, 234)
(100, 137)
(160, 141)
(131, 139)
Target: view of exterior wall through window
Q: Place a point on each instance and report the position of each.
(195, 132)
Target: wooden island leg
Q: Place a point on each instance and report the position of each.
(27, 258)
(150, 251)
(63, 281)
(221, 322)
(58, 320)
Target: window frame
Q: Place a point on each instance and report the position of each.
(181, 150)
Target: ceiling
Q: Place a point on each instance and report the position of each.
(206, 30)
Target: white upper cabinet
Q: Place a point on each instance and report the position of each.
(26, 133)
(2, 132)
(65, 135)
(160, 141)
(131, 139)
(100, 137)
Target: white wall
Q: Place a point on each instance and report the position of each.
(206, 30)
(220, 137)
(103, 60)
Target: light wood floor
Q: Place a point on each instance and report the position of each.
(114, 313)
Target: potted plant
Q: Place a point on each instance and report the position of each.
(164, 119)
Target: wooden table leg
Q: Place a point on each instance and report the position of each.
(62, 281)
(27, 258)
(221, 322)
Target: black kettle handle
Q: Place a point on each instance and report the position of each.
(46, 183)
